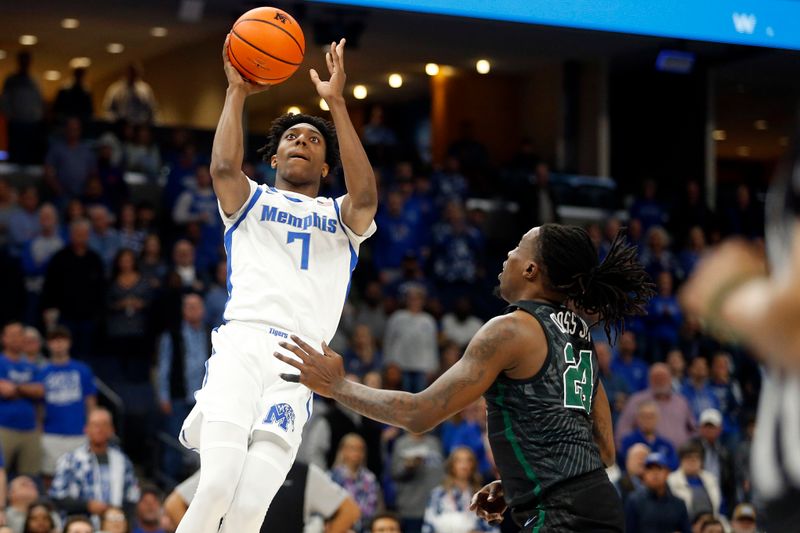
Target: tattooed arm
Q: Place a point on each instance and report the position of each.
(602, 428)
(493, 349)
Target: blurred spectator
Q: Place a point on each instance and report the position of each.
(422, 200)
(717, 460)
(677, 368)
(744, 486)
(69, 163)
(363, 355)
(12, 287)
(379, 140)
(693, 251)
(149, 511)
(448, 504)
(411, 272)
(664, 318)
(32, 347)
(370, 311)
(130, 98)
(110, 171)
(182, 167)
(199, 203)
(410, 341)
(744, 519)
(729, 395)
(142, 155)
(69, 394)
(349, 470)
(698, 488)
(23, 224)
(184, 273)
(693, 212)
(182, 355)
(22, 493)
(461, 325)
(656, 256)
(693, 341)
(649, 209)
(653, 508)
(631, 368)
(74, 100)
(104, 238)
(307, 498)
(610, 230)
(745, 218)
(146, 217)
(217, 296)
(468, 429)
(398, 234)
(696, 388)
(675, 423)
(473, 157)
(540, 204)
(151, 263)
(617, 389)
(79, 524)
(75, 210)
(23, 107)
(114, 521)
(8, 205)
(631, 479)
(416, 469)
(130, 236)
(457, 253)
(450, 183)
(450, 354)
(712, 525)
(97, 475)
(36, 255)
(40, 518)
(385, 522)
(645, 433)
(20, 387)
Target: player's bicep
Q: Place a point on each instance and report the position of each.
(360, 220)
(232, 190)
(489, 352)
(602, 428)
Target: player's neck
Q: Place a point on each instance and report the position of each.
(311, 189)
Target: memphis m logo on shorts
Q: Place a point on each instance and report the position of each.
(281, 414)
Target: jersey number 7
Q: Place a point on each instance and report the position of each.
(305, 238)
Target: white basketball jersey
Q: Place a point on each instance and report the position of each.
(290, 259)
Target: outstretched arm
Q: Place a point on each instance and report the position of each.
(227, 152)
(493, 349)
(361, 202)
(602, 428)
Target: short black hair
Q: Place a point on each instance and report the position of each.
(284, 122)
(613, 289)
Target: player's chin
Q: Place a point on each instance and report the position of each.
(498, 292)
(300, 174)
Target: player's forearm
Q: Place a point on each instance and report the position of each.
(396, 408)
(227, 152)
(358, 175)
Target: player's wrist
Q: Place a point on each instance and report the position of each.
(336, 101)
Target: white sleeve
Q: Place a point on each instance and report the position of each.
(188, 487)
(355, 238)
(322, 495)
(231, 220)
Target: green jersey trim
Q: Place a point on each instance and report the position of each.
(508, 430)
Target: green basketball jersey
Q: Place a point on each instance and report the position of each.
(540, 429)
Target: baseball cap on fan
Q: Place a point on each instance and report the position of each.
(711, 416)
(744, 511)
(656, 459)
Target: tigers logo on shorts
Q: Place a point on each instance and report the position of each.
(281, 414)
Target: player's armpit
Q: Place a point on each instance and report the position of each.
(602, 428)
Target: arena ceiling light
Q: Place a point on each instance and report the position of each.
(158, 31)
(70, 24)
(360, 92)
(52, 75)
(115, 48)
(719, 135)
(80, 62)
(431, 69)
(3, 54)
(743, 151)
(761, 125)
(293, 110)
(395, 81)
(483, 66)
(323, 105)
(28, 40)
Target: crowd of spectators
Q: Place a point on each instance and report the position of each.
(103, 284)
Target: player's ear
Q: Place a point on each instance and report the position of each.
(273, 161)
(531, 271)
(325, 170)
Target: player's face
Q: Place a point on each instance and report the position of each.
(511, 280)
(300, 158)
(385, 525)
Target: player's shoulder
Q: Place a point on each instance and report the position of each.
(508, 331)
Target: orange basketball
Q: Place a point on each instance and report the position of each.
(266, 45)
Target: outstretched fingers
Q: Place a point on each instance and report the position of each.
(289, 361)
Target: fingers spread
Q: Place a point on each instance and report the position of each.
(289, 361)
(314, 76)
(295, 350)
(329, 62)
(304, 345)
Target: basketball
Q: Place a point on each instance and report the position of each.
(266, 45)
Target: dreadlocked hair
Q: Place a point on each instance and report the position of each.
(610, 290)
(284, 122)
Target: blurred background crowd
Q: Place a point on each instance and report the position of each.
(113, 274)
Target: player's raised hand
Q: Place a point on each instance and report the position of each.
(234, 78)
(320, 372)
(489, 503)
(334, 87)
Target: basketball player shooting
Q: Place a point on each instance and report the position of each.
(290, 259)
(548, 415)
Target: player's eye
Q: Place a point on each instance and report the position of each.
(315, 139)
(290, 136)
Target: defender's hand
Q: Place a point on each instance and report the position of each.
(332, 89)
(236, 80)
(320, 372)
(489, 502)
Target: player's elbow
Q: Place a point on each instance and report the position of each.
(222, 169)
(346, 516)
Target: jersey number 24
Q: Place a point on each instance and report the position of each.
(578, 379)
